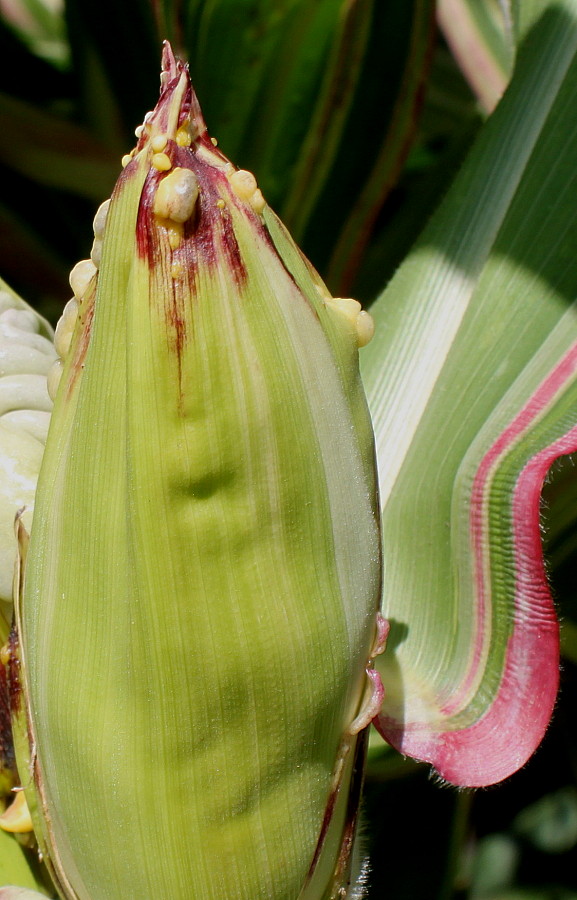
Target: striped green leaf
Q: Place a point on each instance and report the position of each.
(26, 354)
(481, 36)
(472, 381)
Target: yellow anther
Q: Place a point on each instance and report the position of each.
(220, 203)
(159, 142)
(183, 137)
(161, 162)
(138, 131)
(214, 142)
(176, 195)
(17, 819)
(175, 233)
(176, 270)
(126, 159)
(81, 276)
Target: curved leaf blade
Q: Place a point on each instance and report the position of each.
(477, 399)
(480, 36)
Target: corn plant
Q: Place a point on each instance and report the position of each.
(197, 650)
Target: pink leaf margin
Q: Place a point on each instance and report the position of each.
(506, 735)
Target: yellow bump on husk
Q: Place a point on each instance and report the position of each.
(349, 308)
(243, 184)
(81, 276)
(161, 162)
(5, 654)
(257, 201)
(183, 137)
(175, 233)
(176, 270)
(125, 160)
(176, 195)
(53, 379)
(65, 328)
(245, 187)
(99, 223)
(17, 819)
(351, 312)
(220, 204)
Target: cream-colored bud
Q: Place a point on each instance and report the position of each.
(352, 312)
(161, 162)
(243, 184)
(81, 276)
(365, 328)
(245, 187)
(257, 201)
(99, 223)
(349, 308)
(65, 328)
(159, 142)
(17, 819)
(53, 380)
(96, 252)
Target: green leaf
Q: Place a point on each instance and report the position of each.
(319, 100)
(550, 824)
(377, 138)
(480, 35)
(15, 869)
(55, 152)
(472, 385)
(40, 25)
(115, 49)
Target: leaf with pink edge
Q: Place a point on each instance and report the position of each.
(478, 397)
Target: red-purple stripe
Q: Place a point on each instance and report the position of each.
(503, 738)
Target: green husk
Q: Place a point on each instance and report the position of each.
(203, 574)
